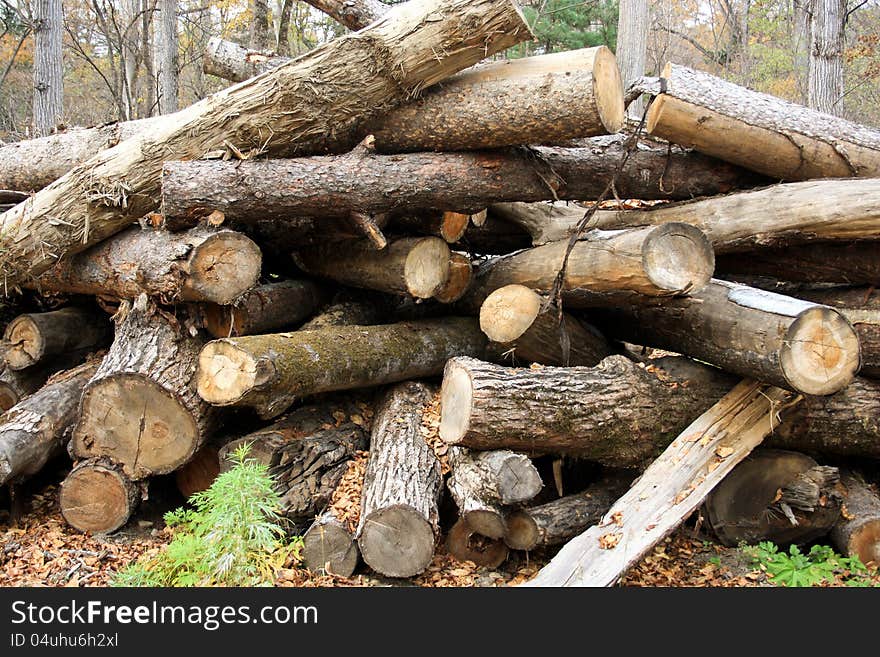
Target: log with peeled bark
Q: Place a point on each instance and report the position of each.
(513, 316)
(269, 372)
(758, 131)
(307, 453)
(774, 495)
(419, 43)
(795, 344)
(857, 532)
(672, 487)
(141, 408)
(98, 497)
(562, 519)
(417, 266)
(458, 280)
(34, 338)
(399, 519)
(34, 430)
(264, 309)
(329, 547)
(467, 544)
(660, 261)
(544, 222)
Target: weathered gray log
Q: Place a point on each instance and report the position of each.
(791, 343)
(759, 131)
(268, 372)
(857, 532)
(230, 61)
(98, 497)
(329, 547)
(399, 516)
(141, 408)
(466, 544)
(36, 337)
(34, 430)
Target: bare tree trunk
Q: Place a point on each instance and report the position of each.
(632, 46)
(283, 39)
(800, 46)
(130, 29)
(259, 35)
(825, 86)
(166, 57)
(48, 85)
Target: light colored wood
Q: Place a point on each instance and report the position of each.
(458, 280)
(97, 497)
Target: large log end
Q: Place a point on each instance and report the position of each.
(224, 266)
(678, 257)
(608, 90)
(821, 352)
(226, 373)
(97, 497)
(24, 343)
(426, 269)
(329, 549)
(509, 312)
(456, 399)
(397, 541)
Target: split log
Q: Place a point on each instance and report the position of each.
(307, 453)
(329, 548)
(141, 408)
(774, 495)
(418, 266)
(97, 497)
(659, 261)
(759, 131)
(562, 519)
(268, 372)
(670, 489)
(513, 316)
(36, 337)
(198, 265)
(466, 544)
(105, 194)
(451, 226)
(857, 533)
(343, 313)
(458, 280)
(794, 344)
(399, 515)
(35, 430)
(264, 309)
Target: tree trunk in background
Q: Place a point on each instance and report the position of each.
(825, 87)
(131, 41)
(259, 34)
(166, 56)
(48, 86)
(632, 46)
(283, 38)
(800, 46)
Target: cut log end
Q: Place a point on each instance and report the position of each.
(25, 343)
(608, 90)
(518, 480)
(456, 398)
(453, 226)
(225, 374)
(865, 542)
(522, 531)
(427, 267)
(459, 280)
(397, 541)
(821, 352)
(223, 267)
(465, 544)
(655, 112)
(678, 257)
(8, 397)
(131, 419)
(485, 522)
(508, 312)
(97, 498)
(329, 550)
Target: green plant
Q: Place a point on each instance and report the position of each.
(819, 566)
(231, 537)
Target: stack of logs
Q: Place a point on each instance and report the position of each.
(316, 256)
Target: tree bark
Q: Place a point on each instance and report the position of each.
(466, 544)
(632, 46)
(458, 281)
(34, 338)
(344, 313)
(36, 429)
(416, 266)
(399, 516)
(329, 548)
(670, 489)
(513, 316)
(264, 309)
(795, 344)
(857, 533)
(268, 372)
(198, 265)
(774, 495)
(48, 99)
(353, 14)
(758, 131)
(259, 24)
(141, 409)
(825, 80)
(97, 497)
(166, 57)
(544, 222)
(104, 194)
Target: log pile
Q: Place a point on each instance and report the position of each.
(408, 283)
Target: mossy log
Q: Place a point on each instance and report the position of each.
(344, 313)
(264, 309)
(33, 338)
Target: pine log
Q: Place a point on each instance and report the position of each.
(418, 266)
(662, 261)
(513, 316)
(34, 430)
(451, 226)
(198, 265)
(264, 309)
(670, 489)
(343, 313)
(857, 533)
(106, 193)
(562, 519)
(466, 544)
(34, 338)
(759, 131)
(774, 495)
(329, 548)
(97, 497)
(794, 344)
(399, 520)
(141, 408)
(458, 280)
(268, 372)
